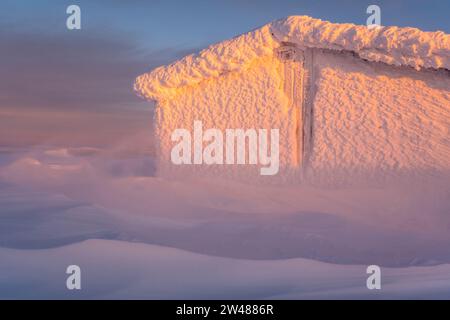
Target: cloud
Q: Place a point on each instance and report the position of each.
(73, 87)
(75, 70)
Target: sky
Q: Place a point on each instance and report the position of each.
(74, 87)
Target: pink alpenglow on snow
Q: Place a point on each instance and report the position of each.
(226, 148)
(348, 101)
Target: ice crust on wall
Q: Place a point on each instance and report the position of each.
(372, 120)
(238, 100)
(392, 45)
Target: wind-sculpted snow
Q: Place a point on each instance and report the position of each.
(55, 197)
(125, 270)
(220, 239)
(392, 45)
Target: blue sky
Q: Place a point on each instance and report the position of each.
(48, 70)
(168, 23)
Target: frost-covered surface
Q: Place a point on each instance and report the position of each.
(392, 45)
(376, 121)
(373, 120)
(228, 56)
(235, 100)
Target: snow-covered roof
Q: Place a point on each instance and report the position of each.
(392, 45)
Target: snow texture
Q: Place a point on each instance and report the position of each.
(392, 45)
(125, 270)
(378, 108)
(239, 100)
(375, 121)
(156, 238)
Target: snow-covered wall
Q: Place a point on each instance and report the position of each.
(377, 121)
(250, 99)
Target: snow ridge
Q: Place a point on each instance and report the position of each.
(392, 45)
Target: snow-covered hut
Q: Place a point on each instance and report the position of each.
(346, 99)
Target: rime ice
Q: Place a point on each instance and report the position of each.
(349, 101)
